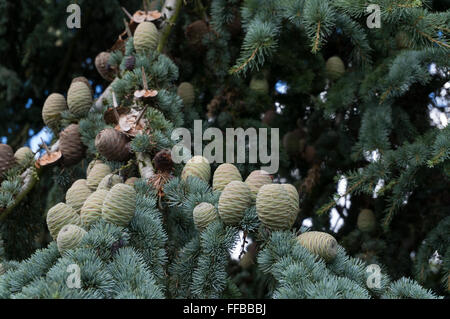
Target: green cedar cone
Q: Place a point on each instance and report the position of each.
(197, 166)
(277, 205)
(234, 200)
(92, 207)
(69, 237)
(119, 205)
(224, 174)
(60, 215)
(319, 243)
(203, 214)
(77, 194)
(146, 37)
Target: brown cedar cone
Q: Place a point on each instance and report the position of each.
(6, 159)
(195, 32)
(113, 145)
(85, 81)
(70, 145)
(163, 161)
(268, 117)
(103, 67)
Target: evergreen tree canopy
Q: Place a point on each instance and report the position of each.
(354, 92)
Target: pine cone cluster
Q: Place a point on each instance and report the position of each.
(71, 147)
(277, 206)
(234, 200)
(113, 145)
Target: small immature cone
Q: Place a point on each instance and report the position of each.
(234, 200)
(69, 237)
(256, 180)
(224, 174)
(335, 67)
(92, 208)
(163, 161)
(366, 221)
(7, 159)
(186, 92)
(277, 206)
(197, 166)
(119, 205)
(54, 105)
(146, 37)
(79, 98)
(103, 67)
(77, 194)
(113, 145)
(291, 142)
(22, 154)
(60, 215)
(203, 214)
(96, 175)
(319, 243)
(71, 146)
(259, 85)
(109, 181)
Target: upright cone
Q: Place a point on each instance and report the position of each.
(319, 243)
(335, 67)
(54, 105)
(69, 237)
(22, 154)
(77, 194)
(119, 205)
(203, 214)
(234, 200)
(113, 145)
(79, 98)
(197, 166)
(146, 37)
(70, 145)
(224, 174)
(96, 174)
(60, 215)
(277, 206)
(103, 67)
(92, 208)
(186, 92)
(256, 180)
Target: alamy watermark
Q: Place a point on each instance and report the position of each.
(74, 19)
(74, 279)
(249, 141)
(374, 279)
(374, 18)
